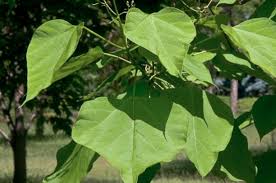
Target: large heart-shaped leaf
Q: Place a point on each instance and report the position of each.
(51, 45)
(73, 163)
(166, 33)
(264, 114)
(209, 125)
(134, 133)
(256, 37)
(130, 133)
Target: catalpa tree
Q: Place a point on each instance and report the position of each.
(165, 109)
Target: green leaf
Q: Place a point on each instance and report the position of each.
(124, 71)
(214, 43)
(78, 62)
(234, 67)
(226, 2)
(266, 163)
(236, 160)
(203, 56)
(257, 38)
(155, 129)
(264, 114)
(209, 125)
(73, 163)
(273, 14)
(194, 63)
(166, 33)
(147, 54)
(266, 9)
(129, 133)
(231, 66)
(51, 46)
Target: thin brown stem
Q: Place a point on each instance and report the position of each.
(118, 57)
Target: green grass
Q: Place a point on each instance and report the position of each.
(41, 159)
(41, 162)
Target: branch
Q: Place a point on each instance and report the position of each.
(4, 135)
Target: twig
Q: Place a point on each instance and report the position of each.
(102, 38)
(108, 7)
(207, 6)
(118, 57)
(189, 7)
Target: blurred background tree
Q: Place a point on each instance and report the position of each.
(18, 20)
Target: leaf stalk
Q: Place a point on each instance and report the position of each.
(102, 38)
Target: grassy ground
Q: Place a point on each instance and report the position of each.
(41, 159)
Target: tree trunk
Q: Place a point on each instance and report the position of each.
(18, 140)
(18, 144)
(234, 96)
